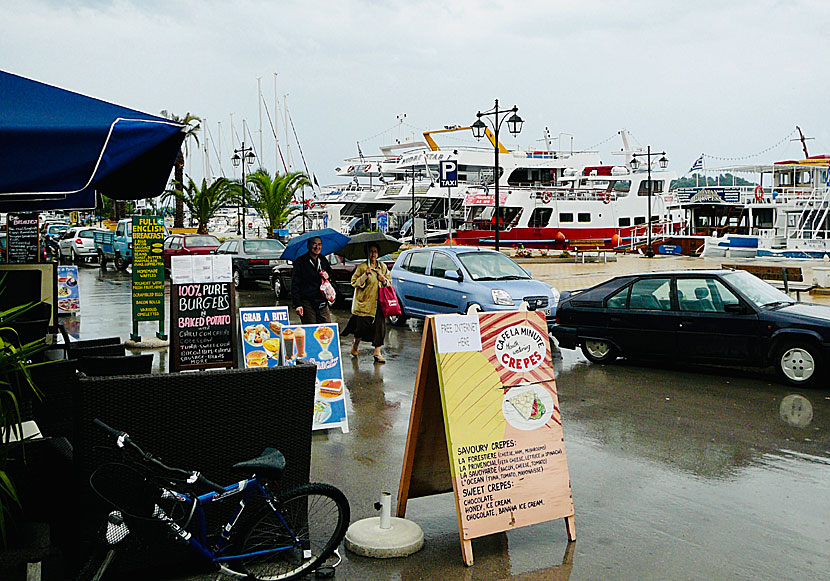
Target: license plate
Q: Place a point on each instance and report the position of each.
(273, 262)
(547, 312)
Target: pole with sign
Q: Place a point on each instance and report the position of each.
(448, 176)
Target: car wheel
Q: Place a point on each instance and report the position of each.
(598, 351)
(73, 257)
(120, 263)
(238, 280)
(797, 362)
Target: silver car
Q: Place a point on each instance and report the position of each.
(77, 244)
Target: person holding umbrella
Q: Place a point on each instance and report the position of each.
(367, 322)
(309, 272)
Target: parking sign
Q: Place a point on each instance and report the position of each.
(448, 171)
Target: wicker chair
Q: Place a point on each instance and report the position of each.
(98, 365)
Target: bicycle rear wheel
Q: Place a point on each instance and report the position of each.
(317, 516)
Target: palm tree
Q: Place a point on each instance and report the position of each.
(272, 197)
(192, 125)
(203, 202)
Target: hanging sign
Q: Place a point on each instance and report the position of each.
(22, 238)
(69, 298)
(320, 345)
(490, 377)
(261, 344)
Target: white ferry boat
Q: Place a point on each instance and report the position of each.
(587, 206)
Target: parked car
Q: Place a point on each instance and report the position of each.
(188, 245)
(252, 259)
(343, 270)
(77, 244)
(449, 279)
(708, 316)
(50, 234)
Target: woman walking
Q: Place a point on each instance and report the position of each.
(367, 322)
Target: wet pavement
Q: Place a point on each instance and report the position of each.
(677, 472)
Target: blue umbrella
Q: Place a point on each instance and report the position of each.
(55, 143)
(332, 242)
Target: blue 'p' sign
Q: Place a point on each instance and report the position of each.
(448, 173)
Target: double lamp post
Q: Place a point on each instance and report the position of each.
(514, 125)
(244, 156)
(634, 163)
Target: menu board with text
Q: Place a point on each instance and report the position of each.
(148, 268)
(503, 423)
(261, 344)
(22, 239)
(203, 326)
(320, 345)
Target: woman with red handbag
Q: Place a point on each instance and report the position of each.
(367, 322)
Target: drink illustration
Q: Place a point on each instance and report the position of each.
(299, 341)
(288, 340)
(324, 336)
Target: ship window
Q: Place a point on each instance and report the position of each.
(620, 186)
(583, 217)
(540, 217)
(656, 188)
(804, 177)
(509, 215)
(566, 217)
(625, 222)
(639, 220)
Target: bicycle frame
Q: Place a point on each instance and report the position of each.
(199, 543)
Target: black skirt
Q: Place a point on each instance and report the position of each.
(367, 328)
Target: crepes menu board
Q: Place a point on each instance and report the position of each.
(69, 298)
(203, 326)
(148, 268)
(320, 345)
(261, 344)
(503, 423)
(22, 239)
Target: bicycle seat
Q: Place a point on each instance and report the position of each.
(271, 464)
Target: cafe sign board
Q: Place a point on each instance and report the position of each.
(262, 344)
(202, 314)
(22, 238)
(148, 268)
(501, 421)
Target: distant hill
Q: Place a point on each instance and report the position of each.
(725, 180)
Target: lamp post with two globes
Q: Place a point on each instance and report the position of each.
(244, 156)
(514, 125)
(634, 163)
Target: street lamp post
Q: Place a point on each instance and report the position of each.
(514, 125)
(634, 165)
(244, 156)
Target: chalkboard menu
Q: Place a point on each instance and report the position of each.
(23, 239)
(203, 325)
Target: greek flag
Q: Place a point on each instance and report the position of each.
(698, 164)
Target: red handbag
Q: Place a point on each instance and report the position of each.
(389, 304)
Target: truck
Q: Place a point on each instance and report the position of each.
(116, 246)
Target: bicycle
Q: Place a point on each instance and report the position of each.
(292, 535)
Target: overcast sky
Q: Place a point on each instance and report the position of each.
(729, 79)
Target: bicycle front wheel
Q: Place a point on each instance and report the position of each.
(309, 524)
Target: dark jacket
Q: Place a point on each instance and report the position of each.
(306, 280)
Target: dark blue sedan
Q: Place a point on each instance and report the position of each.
(707, 316)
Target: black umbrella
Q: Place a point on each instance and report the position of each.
(356, 247)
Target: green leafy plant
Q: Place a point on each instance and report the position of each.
(203, 202)
(15, 386)
(273, 196)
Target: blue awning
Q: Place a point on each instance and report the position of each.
(54, 141)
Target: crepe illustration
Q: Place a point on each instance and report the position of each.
(529, 406)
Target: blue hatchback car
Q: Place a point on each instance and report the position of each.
(448, 279)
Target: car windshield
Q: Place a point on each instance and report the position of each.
(756, 290)
(491, 266)
(263, 245)
(192, 241)
(57, 229)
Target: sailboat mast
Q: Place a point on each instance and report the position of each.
(259, 102)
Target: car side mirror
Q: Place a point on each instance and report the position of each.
(453, 275)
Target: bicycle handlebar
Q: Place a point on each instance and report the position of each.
(122, 439)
